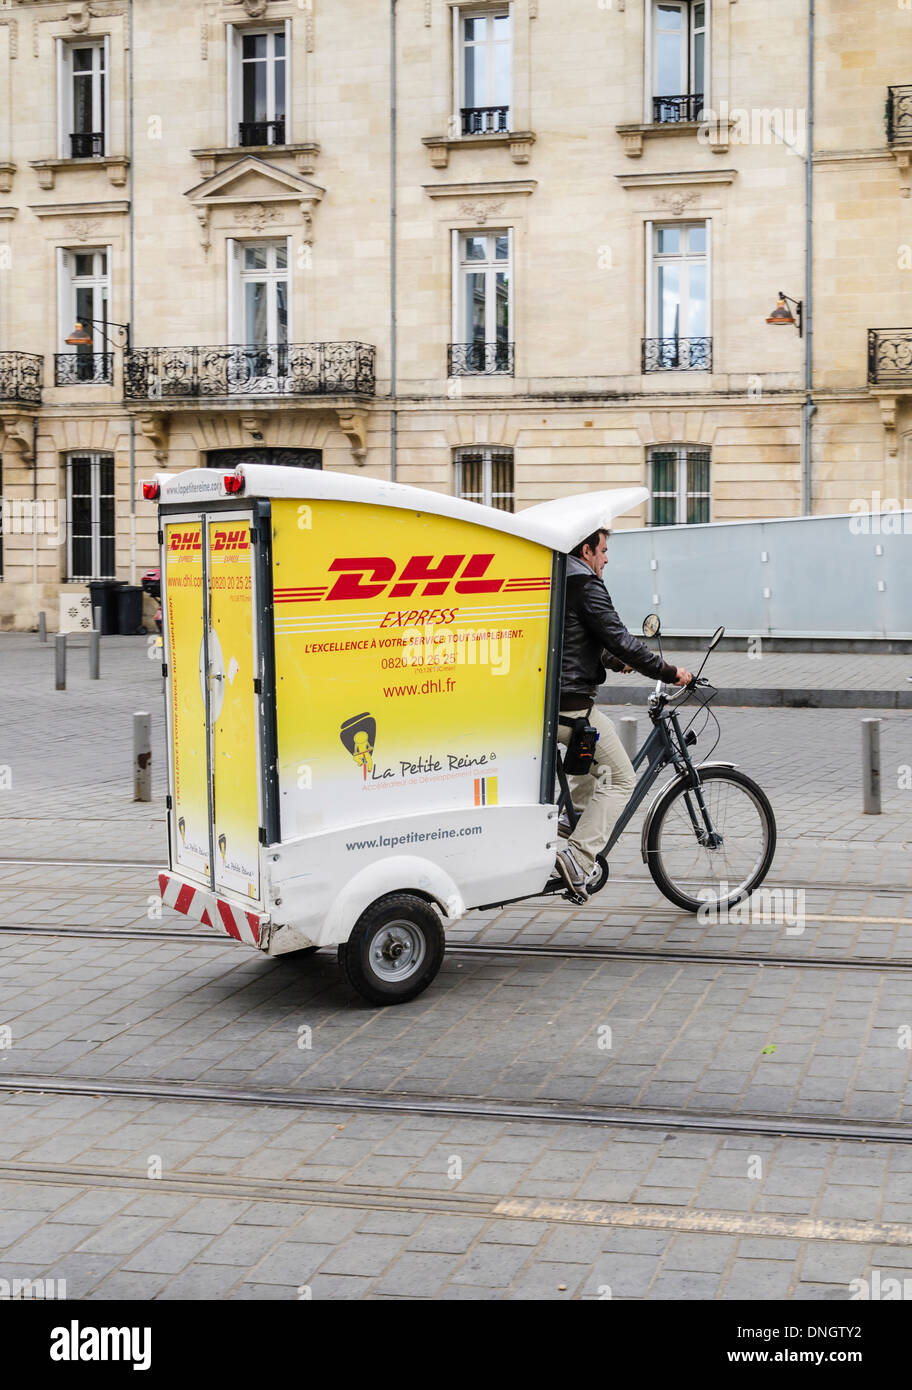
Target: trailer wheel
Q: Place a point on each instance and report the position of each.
(395, 949)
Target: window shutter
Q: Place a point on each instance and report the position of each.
(457, 73)
(63, 100)
(290, 281)
(107, 144)
(454, 257)
(511, 287)
(233, 263)
(289, 114)
(232, 79)
(65, 306)
(650, 289)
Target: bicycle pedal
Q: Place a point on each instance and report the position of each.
(576, 898)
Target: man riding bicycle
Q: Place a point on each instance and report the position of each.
(595, 637)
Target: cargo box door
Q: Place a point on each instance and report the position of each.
(234, 704)
(183, 604)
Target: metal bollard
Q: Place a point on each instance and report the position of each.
(870, 766)
(628, 735)
(142, 757)
(96, 619)
(42, 627)
(94, 655)
(60, 661)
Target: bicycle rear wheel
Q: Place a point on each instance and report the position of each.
(687, 866)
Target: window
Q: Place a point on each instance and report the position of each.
(678, 309)
(90, 516)
(483, 310)
(679, 486)
(678, 78)
(483, 49)
(258, 86)
(83, 72)
(258, 316)
(83, 294)
(486, 476)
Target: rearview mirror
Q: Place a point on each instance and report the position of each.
(716, 638)
(652, 625)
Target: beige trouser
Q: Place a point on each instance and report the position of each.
(601, 794)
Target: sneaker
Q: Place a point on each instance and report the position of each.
(564, 828)
(571, 871)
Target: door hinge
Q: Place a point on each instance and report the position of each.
(263, 838)
(168, 802)
(254, 536)
(164, 670)
(257, 685)
(161, 537)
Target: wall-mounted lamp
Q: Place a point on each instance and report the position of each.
(80, 338)
(783, 317)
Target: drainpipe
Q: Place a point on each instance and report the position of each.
(809, 409)
(394, 423)
(132, 291)
(35, 515)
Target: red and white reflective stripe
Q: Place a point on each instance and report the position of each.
(212, 911)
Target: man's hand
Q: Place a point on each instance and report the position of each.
(625, 671)
(684, 677)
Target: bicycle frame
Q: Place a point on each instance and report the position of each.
(657, 751)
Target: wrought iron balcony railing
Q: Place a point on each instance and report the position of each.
(83, 368)
(87, 144)
(890, 357)
(677, 355)
(675, 110)
(262, 132)
(485, 120)
(207, 373)
(21, 377)
(899, 115)
(480, 359)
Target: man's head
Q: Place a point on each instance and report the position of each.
(593, 551)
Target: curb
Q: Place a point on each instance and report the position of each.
(767, 696)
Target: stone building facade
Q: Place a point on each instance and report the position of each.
(535, 256)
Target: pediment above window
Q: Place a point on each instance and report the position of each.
(253, 194)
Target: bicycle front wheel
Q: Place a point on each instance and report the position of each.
(712, 866)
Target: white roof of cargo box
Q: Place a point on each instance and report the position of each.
(560, 525)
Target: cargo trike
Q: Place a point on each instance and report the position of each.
(361, 685)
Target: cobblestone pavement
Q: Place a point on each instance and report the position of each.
(183, 1198)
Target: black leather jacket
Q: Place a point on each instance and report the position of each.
(595, 637)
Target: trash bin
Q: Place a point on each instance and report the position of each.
(104, 597)
(129, 600)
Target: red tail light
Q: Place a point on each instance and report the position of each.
(151, 491)
(234, 482)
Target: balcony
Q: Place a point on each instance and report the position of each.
(899, 115)
(223, 372)
(21, 378)
(83, 368)
(890, 357)
(87, 144)
(677, 110)
(480, 359)
(677, 355)
(485, 120)
(262, 132)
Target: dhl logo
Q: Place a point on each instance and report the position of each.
(230, 540)
(219, 540)
(368, 576)
(185, 540)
